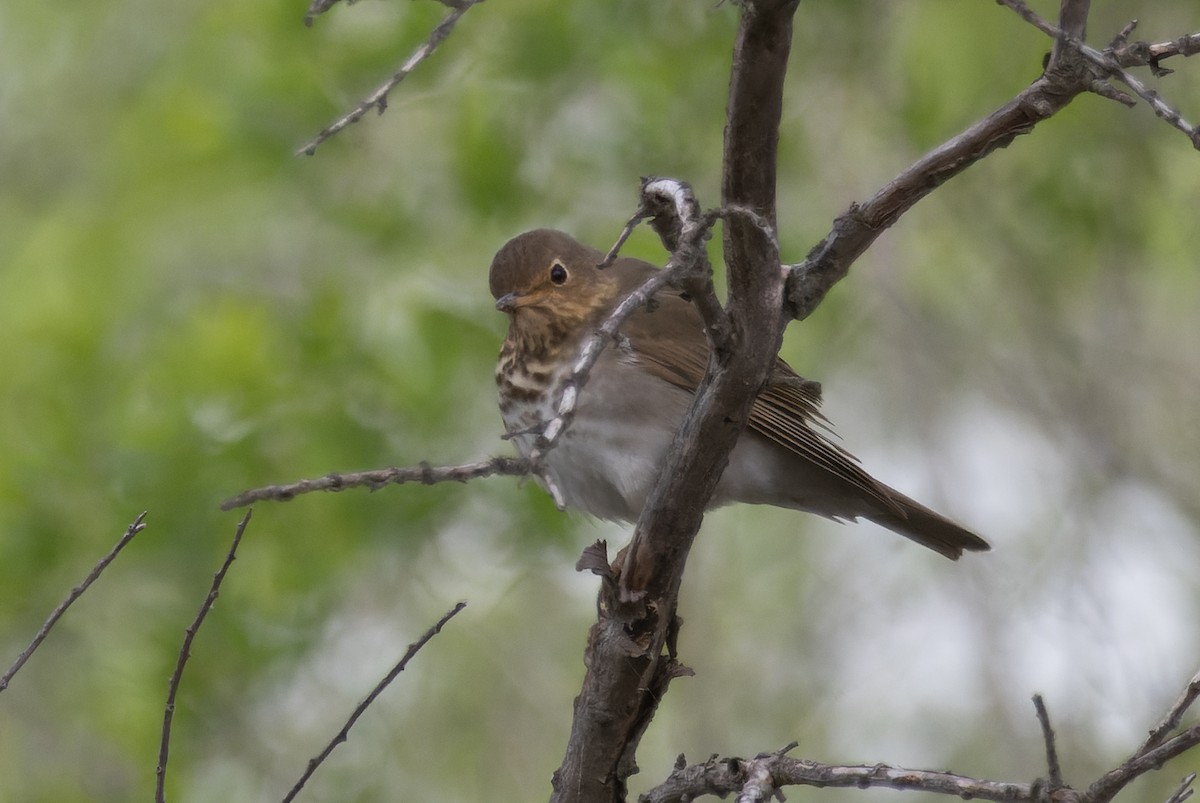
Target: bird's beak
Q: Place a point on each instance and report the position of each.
(509, 302)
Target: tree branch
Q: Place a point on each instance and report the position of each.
(185, 652)
(1072, 70)
(1069, 40)
(766, 773)
(725, 776)
(857, 228)
(627, 671)
(378, 98)
(1053, 767)
(1145, 54)
(378, 478)
(343, 734)
(136, 527)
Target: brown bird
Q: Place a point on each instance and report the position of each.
(637, 393)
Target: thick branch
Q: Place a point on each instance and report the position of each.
(627, 672)
(701, 448)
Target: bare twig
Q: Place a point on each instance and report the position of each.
(1159, 733)
(760, 778)
(593, 347)
(378, 98)
(660, 198)
(1052, 763)
(377, 478)
(767, 773)
(637, 217)
(1111, 783)
(1158, 747)
(1184, 790)
(1032, 17)
(1112, 66)
(185, 653)
(342, 734)
(316, 8)
(136, 527)
(1146, 54)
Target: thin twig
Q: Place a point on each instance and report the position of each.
(377, 478)
(185, 651)
(1111, 783)
(680, 224)
(637, 217)
(316, 8)
(1052, 764)
(1158, 748)
(378, 98)
(1031, 16)
(1184, 790)
(1160, 732)
(136, 527)
(593, 347)
(1112, 66)
(1146, 54)
(343, 734)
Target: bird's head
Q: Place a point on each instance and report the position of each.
(551, 273)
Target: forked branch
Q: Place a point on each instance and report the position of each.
(768, 773)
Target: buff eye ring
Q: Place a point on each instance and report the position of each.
(558, 274)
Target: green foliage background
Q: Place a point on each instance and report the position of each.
(188, 310)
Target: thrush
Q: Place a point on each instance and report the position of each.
(638, 391)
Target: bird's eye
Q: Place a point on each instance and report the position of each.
(558, 274)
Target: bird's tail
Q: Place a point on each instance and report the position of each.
(928, 528)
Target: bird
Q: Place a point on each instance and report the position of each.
(556, 295)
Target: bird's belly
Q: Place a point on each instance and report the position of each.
(606, 462)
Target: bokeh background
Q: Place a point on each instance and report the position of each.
(187, 309)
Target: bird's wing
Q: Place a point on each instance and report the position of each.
(667, 339)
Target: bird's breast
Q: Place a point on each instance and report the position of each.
(606, 461)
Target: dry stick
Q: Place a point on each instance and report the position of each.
(1159, 733)
(637, 217)
(1158, 747)
(856, 229)
(184, 654)
(316, 8)
(378, 98)
(1147, 54)
(1184, 790)
(375, 479)
(1052, 764)
(342, 735)
(136, 527)
(1112, 66)
(1111, 783)
(593, 347)
(724, 776)
(684, 211)
(681, 205)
